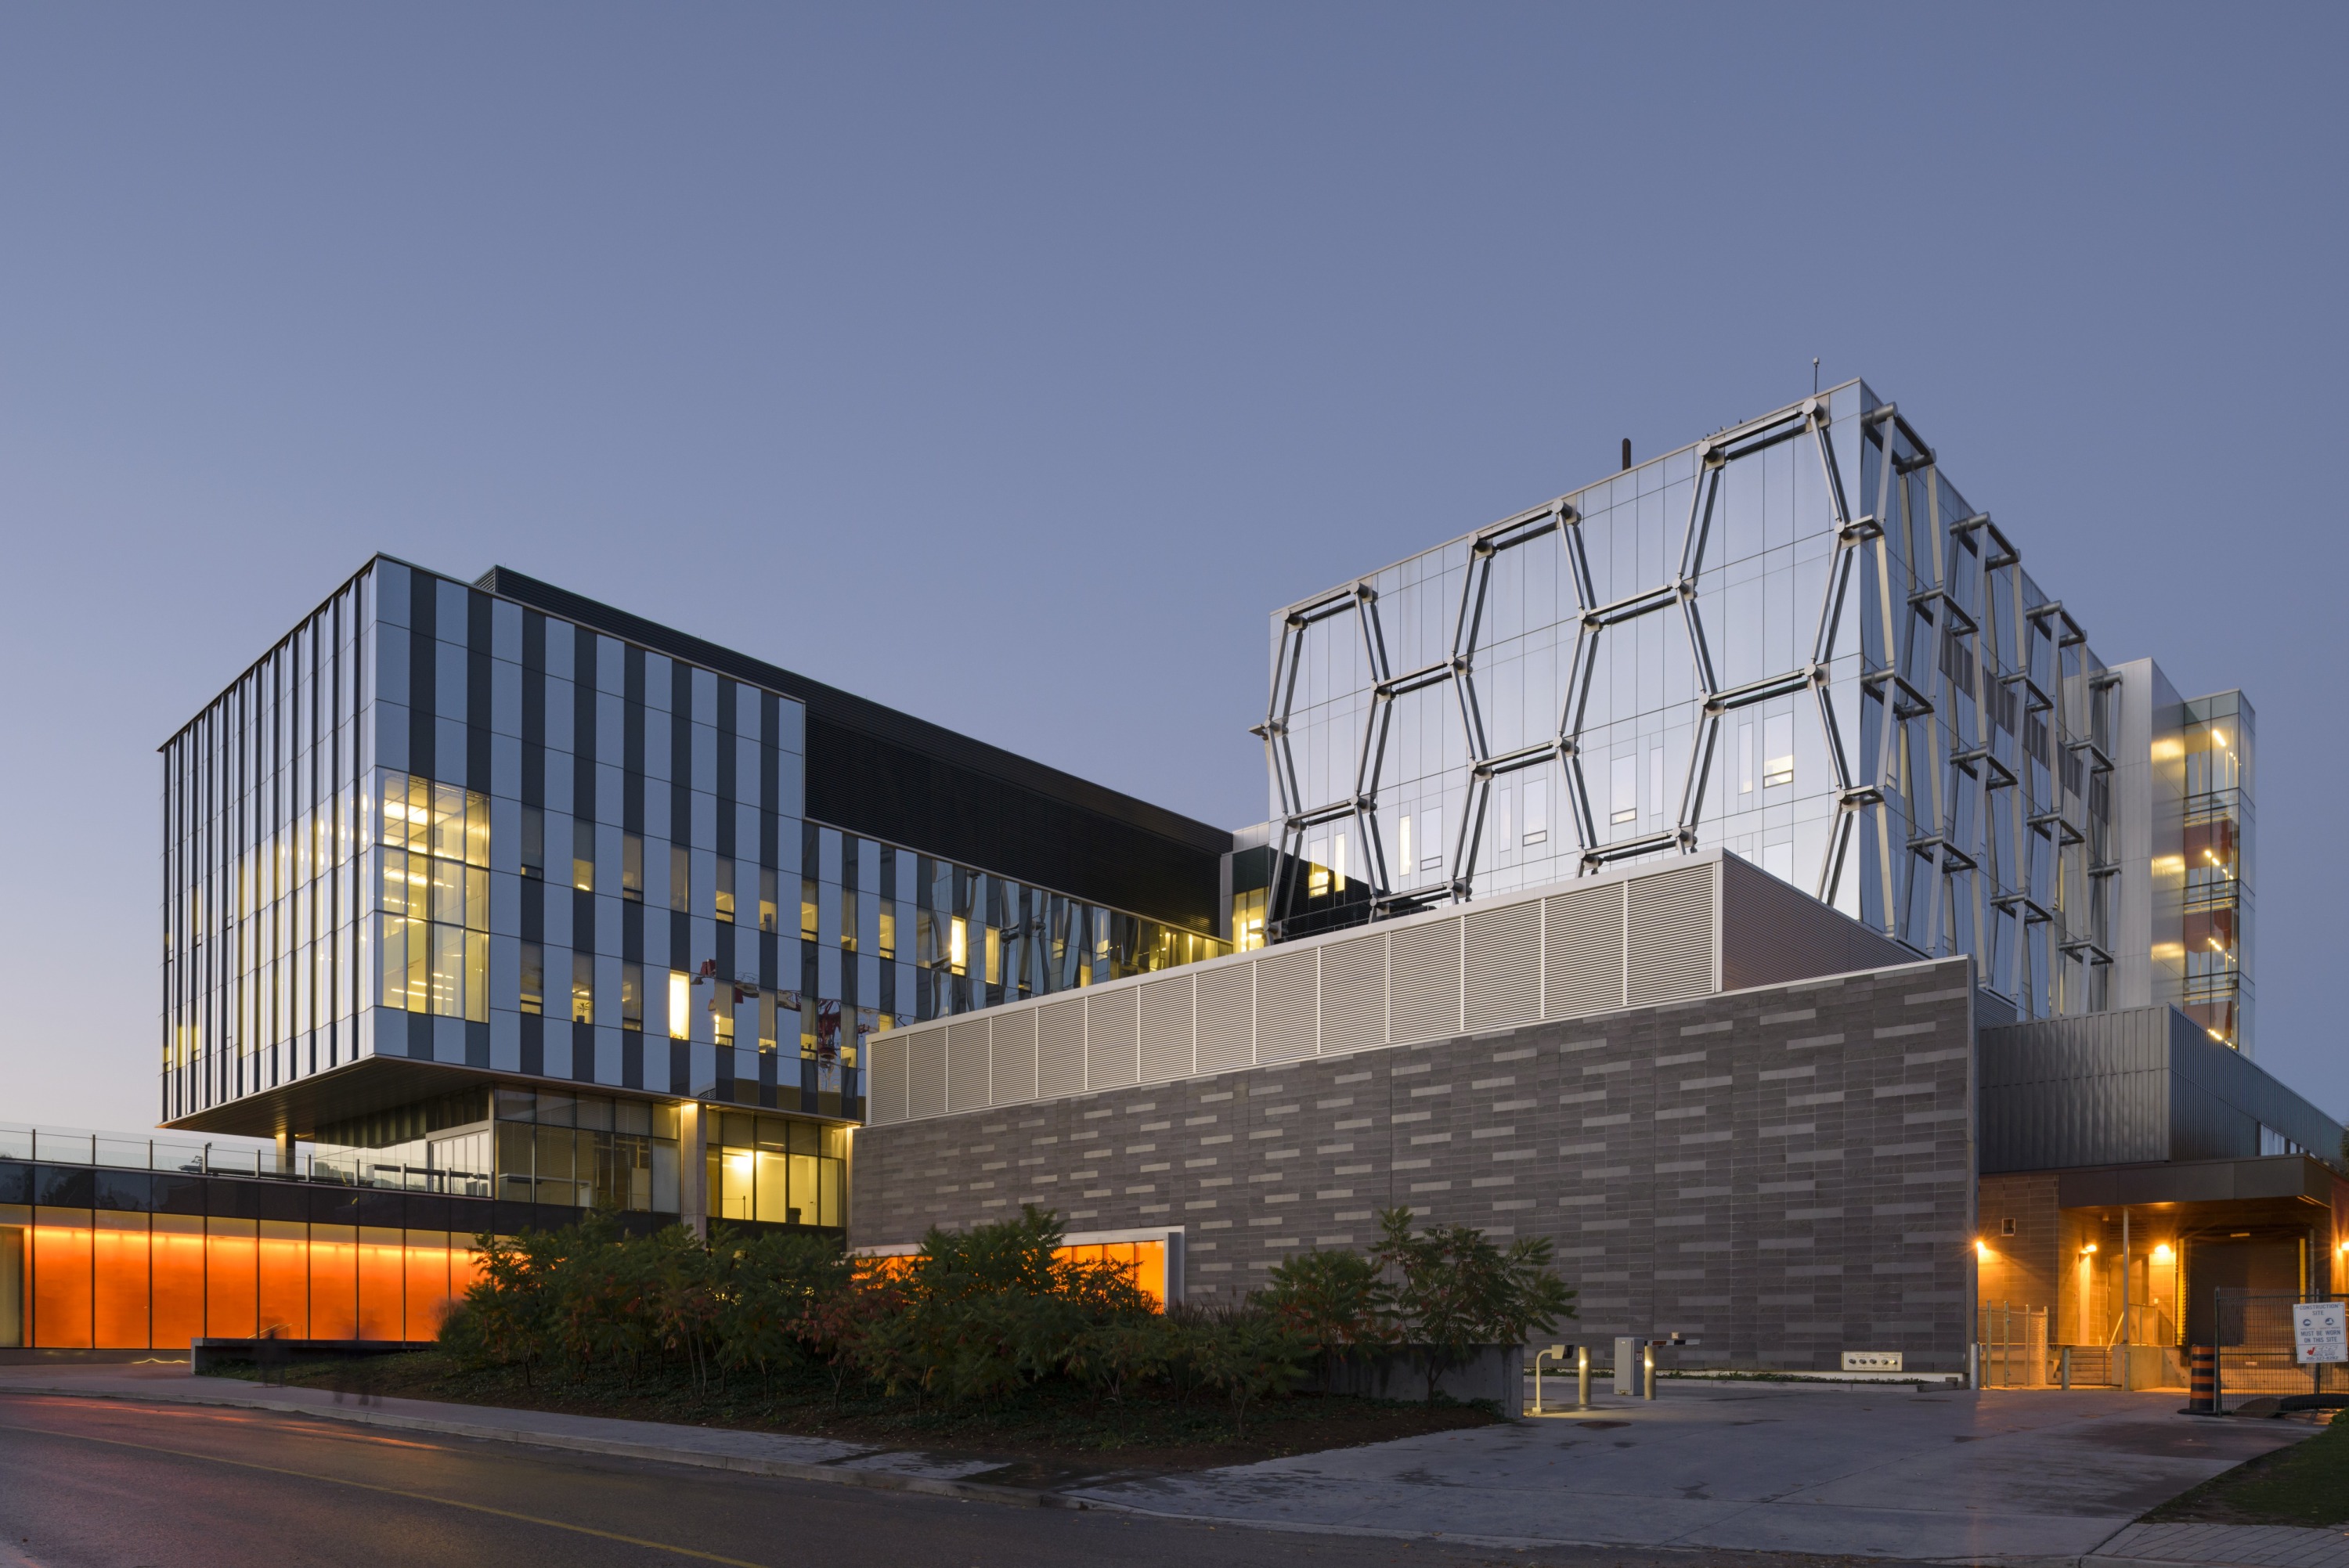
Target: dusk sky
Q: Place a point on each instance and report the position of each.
(1009, 364)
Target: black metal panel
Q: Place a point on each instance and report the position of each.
(130, 1191)
(888, 775)
(64, 1186)
(16, 1181)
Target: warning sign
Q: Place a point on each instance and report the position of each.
(2320, 1331)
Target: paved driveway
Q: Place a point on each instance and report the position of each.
(1759, 1467)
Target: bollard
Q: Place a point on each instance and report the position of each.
(1582, 1376)
(2202, 1380)
(1648, 1368)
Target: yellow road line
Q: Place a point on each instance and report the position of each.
(397, 1491)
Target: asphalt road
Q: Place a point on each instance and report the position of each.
(88, 1483)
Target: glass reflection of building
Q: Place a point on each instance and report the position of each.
(483, 886)
(1794, 639)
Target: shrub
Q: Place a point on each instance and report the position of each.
(1456, 1290)
(1246, 1351)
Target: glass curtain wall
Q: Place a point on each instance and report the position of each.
(262, 900)
(777, 1171)
(1796, 640)
(2218, 736)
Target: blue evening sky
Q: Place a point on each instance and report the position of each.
(1008, 364)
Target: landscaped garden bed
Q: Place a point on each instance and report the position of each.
(989, 1340)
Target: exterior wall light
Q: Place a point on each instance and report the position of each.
(2162, 1254)
(1981, 1250)
(2089, 1248)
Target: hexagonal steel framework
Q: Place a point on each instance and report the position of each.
(1921, 651)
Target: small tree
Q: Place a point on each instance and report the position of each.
(1457, 1290)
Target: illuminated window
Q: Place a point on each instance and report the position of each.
(1777, 750)
(632, 996)
(994, 957)
(1317, 863)
(726, 890)
(582, 987)
(810, 920)
(681, 1005)
(958, 945)
(888, 929)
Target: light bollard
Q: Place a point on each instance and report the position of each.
(1648, 1368)
(1582, 1376)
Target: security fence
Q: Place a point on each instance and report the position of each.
(2257, 1357)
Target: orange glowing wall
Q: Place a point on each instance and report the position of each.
(111, 1280)
(1147, 1259)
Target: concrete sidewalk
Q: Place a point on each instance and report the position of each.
(1873, 1472)
(2008, 1478)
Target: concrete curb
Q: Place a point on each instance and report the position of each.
(787, 1469)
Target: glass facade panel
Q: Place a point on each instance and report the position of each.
(1794, 640)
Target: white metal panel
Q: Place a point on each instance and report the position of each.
(927, 1056)
(1113, 1029)
(1669, 937)
(1060, 1048)
(1166, 1029)
(1584, 935)
(1014, 1077)
(967, 1065)
(1354, 993)
(1423, 992)
(1502, 964)
(1287, 1005)
(885, 1099)
(1226, 1030)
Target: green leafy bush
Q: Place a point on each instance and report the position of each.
(977, 1315)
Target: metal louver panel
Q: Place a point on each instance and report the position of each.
(1226, 1017)
(1166, 1029)
(1584, 937)
(1112, 1028)
(1424, 989)
(1287, 1004)
(1354, 995)
(927, 1056)
(1015, 1057)
(1502, 966)
(1669, 926)
(1060, 1048)
(886, 1100)
(967, 1065)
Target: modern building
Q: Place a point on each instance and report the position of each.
(1743, 873)
(1738, 871)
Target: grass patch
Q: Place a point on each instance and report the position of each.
(1055, 1423)
(2305, 1484)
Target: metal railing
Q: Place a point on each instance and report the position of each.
(331, 1164)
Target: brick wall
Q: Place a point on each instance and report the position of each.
(1783, 1172)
